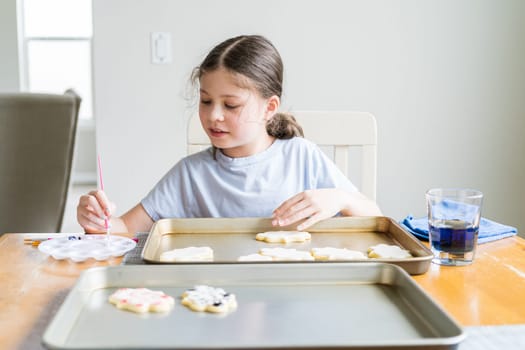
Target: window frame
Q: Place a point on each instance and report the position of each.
(24, 42)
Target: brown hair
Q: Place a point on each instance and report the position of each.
(255, 58)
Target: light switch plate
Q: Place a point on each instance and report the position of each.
(160, 47)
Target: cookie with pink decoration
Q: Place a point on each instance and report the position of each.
(142, 300)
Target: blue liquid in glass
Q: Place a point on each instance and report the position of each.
(453, 236)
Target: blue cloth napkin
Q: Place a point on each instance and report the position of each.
(488, 230)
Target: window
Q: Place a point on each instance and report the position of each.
(56, 48)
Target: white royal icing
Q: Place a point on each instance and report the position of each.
(286, 254)
(141, 300)
(210, 299)
(255, 257)
(329, 253)
(283, 236)
(387, 251)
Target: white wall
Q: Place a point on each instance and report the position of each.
(9, 80)
(85, 157)
(444, 78)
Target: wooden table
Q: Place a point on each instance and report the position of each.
(489, 292)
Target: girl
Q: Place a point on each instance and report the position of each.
(259, 164)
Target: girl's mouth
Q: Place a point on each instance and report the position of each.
(217, 132)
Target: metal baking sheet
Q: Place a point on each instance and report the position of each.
(286, 306)
(232, 237)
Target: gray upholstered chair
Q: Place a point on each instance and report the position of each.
(37, 139)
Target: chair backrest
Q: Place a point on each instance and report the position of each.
(341, 130)
(37, 139)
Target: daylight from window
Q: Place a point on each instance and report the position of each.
(57, 48)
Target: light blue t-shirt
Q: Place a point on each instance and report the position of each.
(200, 186)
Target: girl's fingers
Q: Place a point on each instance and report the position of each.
(90, 203)
(311, 205)
(291, 217)
(310, 221)
(96, 220)
(296, 208)
(92, 211)
(291, 213)
(90, 220)
(103, 201)
(287, 204)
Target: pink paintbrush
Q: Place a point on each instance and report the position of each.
(106, 221)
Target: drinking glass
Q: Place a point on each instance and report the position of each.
(453, 224)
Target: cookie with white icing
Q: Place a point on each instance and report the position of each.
(255, 257)
(283, 236)
(286, 254)
(141, 300)
(330, 253)
(187, 254)
(209, 299)
(388, 251)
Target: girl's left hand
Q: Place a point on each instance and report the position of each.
(312, 205)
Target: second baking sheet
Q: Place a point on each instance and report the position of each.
(231, 238)
(280, 306)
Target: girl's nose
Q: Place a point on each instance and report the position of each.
(217, 114)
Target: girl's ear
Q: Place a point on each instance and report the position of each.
(272, 106)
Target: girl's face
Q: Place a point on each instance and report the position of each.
(234, 117)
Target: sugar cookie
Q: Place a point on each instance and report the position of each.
(386, 251)
(141, 300)
(283, 236)
(210, 299)
(255, 257)
(188, 254)
(329, 253)
(286, 254)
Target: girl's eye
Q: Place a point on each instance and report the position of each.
(231, 106)
(205, 102)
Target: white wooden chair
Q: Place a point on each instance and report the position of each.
(339, 130)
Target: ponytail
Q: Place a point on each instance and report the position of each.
(284, 126)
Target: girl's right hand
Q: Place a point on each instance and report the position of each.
(92, 211)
